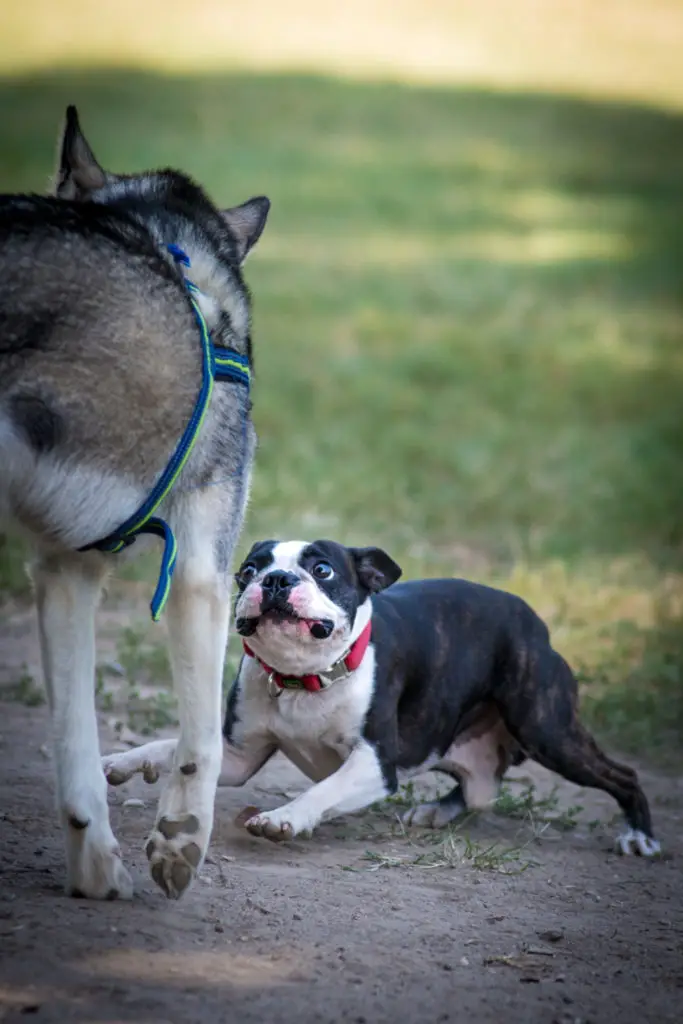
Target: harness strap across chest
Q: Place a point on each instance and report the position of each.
(348, 663)
(218, 364)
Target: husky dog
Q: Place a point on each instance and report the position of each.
(101, 363)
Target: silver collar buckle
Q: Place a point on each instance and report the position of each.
(333, 674)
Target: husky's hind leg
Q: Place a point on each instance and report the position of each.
(67, 590)
(197, 614)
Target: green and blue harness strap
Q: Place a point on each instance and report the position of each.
(218, 364)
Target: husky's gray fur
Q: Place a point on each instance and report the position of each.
(100, 368)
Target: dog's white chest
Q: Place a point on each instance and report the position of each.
(317, 731)
(315, 760)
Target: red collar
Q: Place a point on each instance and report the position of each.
(342, 667)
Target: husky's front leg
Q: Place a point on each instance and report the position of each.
(198, 614)
(67, 590)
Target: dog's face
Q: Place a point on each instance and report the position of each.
(300, 600)
(80, 177)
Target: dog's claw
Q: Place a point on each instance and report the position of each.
(635, 841)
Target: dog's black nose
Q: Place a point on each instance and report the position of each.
(279, 583)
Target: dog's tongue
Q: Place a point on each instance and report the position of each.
(321, 628)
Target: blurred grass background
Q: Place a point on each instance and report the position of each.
(468, 319)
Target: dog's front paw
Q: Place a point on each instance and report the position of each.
(119, 768)
(635, 841)
(273, 825)
(94, 867)
(175, 849)
(178, 843)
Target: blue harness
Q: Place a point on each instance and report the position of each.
(218, 364)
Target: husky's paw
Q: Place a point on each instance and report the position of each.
(94, 867)
(635, 841)
(175, 849)
(119, 768)
(273, 825)
(433, 815)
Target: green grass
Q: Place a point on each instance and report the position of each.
(133, 688)
(468, 335)
(537, 809)
(24, 690)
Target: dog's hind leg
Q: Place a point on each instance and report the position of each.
(197, 615)
(478, 758)
(67, 590)
(541, 712)
(437, 813)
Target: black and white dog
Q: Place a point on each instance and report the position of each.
(362, 687)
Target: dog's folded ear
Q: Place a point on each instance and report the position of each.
(376, 570)
(247, 222)
(78, 172)
(257, 547)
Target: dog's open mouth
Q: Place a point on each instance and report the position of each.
(320, 629)
(281, 615)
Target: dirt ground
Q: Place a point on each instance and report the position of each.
(362, 923)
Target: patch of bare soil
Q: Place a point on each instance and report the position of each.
(511, 919)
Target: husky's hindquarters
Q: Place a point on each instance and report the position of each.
(100, 367)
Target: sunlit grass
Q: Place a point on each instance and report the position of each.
(616, 48)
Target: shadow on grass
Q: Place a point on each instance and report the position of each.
(468, 319)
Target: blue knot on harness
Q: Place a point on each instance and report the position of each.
(218, 364)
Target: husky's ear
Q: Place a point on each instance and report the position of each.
(78, 172)
(376, 570)
(247, 222)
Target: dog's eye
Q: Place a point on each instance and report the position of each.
(247, 572)
(323, 571)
